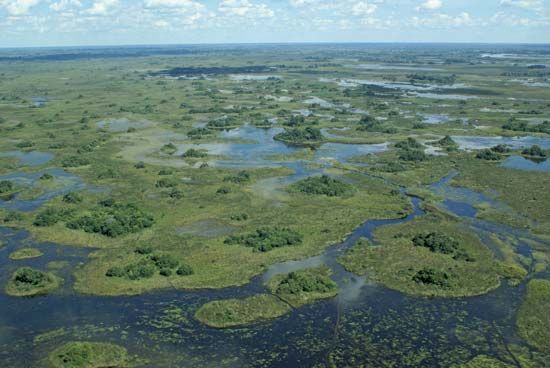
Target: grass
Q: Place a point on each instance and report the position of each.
(483, 361)
(533, 320)
(395, 262)
(82, 354)
(25, 253)
(240, 312)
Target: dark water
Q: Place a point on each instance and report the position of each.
(32, 158)
(522, 163)
(366, 324)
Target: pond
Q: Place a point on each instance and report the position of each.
(522, 163)
(32, 158)
(476, 143)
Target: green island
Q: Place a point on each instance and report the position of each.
(84, 354)
(27, 281)
(25, 253)
(288, 291)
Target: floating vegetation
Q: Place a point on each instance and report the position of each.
(83, 354)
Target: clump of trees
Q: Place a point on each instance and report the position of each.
(194, 153)
(411, 150)
(441, 243)
(448, 143)
(239, 178)
(409, 144)
(51, 216)
(6, 186)
(370, 124)
(432, 276)
(489, 155)
(267, 238)
(295, 120)
(113, 219)
(222, 123)
(198, 133)
(300, 136)
(169, 149)
(30, 277)
(500, 148)
(535, 151)
(73, 198)
(524, 126)
(296, 283)
(149, 265)
(239, 217)
(75, 161)
(323, 185)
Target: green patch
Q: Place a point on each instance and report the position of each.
(25, 253)
(483, 361)
(298, 136)
(533, 319)
(80, 354)
(239, 312)
(28, 281)
(266, 239)
(415, 258)
(302, 287)
(323, 185)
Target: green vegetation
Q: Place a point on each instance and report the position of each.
(27, 281)
(194, 153)
(75, 161)
(305, 286)
(239, 312)
(84, 354)
(6, 186)
(483, 361)
(239, 178)
(266, 239)
(169, 149)
(489, 155)
(533, 320)
(113, 220)
(298, 136)
(431, 255)
(323, 185)
(523, 126)
(25, 253)
(146, 267)
(534, 151)
(448, 143)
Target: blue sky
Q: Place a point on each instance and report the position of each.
(108, 22)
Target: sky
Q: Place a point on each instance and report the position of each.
(25, 23)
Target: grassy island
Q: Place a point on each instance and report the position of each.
(28, 281)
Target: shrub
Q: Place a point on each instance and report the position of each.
(296, 283)
(117, 220)
(6, 186)
(169, 148)
(500, 148)
(164, 261)
(239, 217)
(74, 161)
(409, 144)
(184, 270)
(194, 153)
(300, 135)
(535, 150)
(165, 172)
(239, 178)
(487, 154)
(223, 190)
(413, 155)
(46, 176)
(323, 185)
(436, 242)
(51, 216)
(167, 183)
(72, 197)
(432, 276)
(140, 165)
(266, 239)
(144, 249)
(197, 133)
(30, 277)
(166, 272)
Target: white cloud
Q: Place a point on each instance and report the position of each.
(298, 3)
(245, 8)
(101, 7)
(185, 4)
(363, 8)
(18, 7)
(62, 5)
(536, 5)
(431, 5)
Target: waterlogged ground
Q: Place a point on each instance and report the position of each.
(126, 135)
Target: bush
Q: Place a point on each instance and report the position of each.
(488, 155)
(72, 197)
(140, 165)
(6, 186)
(166, 272)
(266, 239)
(46, 176)
(167, 183)
(144, 249)
(164, 261)
(432, 276)
(409, 144)
(165, 172)
(436, 242)
(30, 277)
(176, 193)
(169, 149)
(500, 148)
(239, 178)
(51, 216)
(197, 133)
(296, 283)
(306, 135)
(523, 126)
(74, 161)
(113, 221)
(535, 150)
(413, 155)
(194, 153)
(184, 270)
(223, 190)
(239, 217)
(323, 185)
